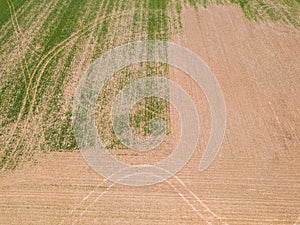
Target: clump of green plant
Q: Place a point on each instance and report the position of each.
(141, 114)
(285, 11)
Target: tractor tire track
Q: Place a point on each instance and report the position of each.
(47, 58)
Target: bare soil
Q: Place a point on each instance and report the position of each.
(254, 180)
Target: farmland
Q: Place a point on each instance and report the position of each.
(47, 46)
(42, 65)
(251, 47)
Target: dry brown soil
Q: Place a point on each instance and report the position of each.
(254, 180)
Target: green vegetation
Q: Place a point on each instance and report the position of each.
(47, 45)
(285, 11)
(141, 114)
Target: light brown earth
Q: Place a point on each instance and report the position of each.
(254, 180)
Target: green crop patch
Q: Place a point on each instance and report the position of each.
(46, 47)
